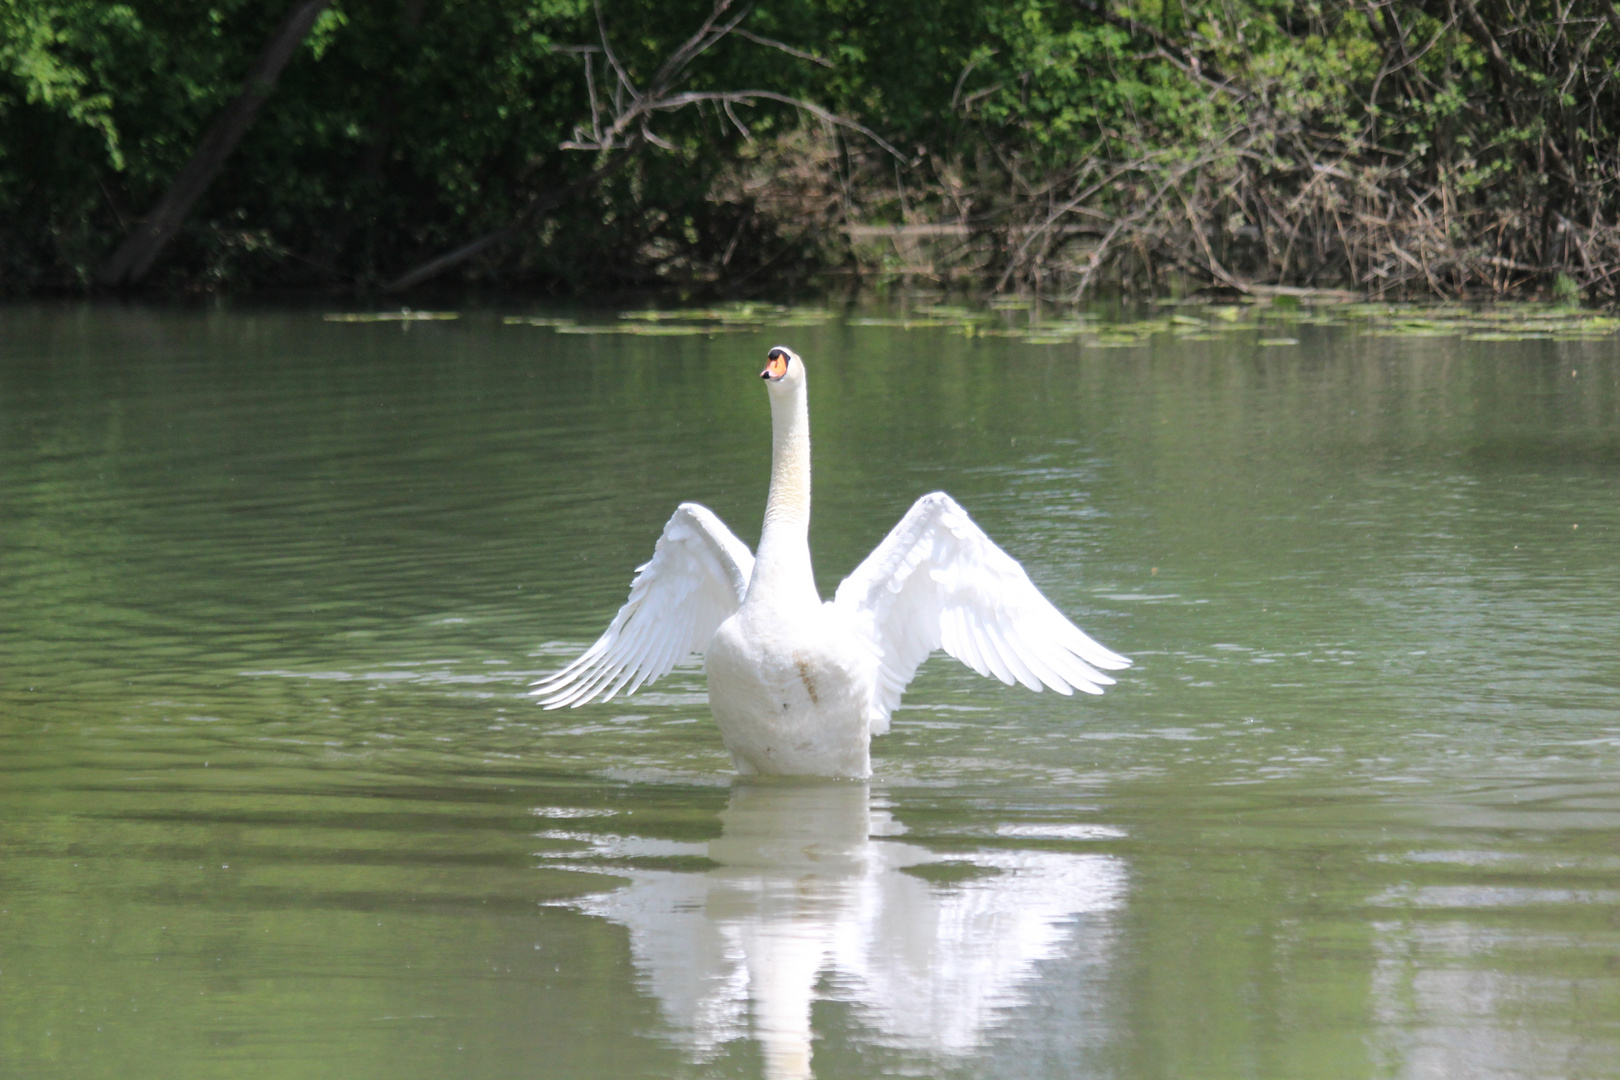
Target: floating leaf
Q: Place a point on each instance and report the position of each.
(653, 330)
(1501, 322)
(535, 320)
(392, 316)
(904, 324)
(1071, 327)
(1504, 322)
(677, 331)
(655, 316)
(736, 316)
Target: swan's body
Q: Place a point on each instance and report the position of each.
(799, 686)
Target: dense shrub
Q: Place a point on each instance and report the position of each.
(1384, 145)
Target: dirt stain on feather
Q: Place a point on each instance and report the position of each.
(804, 677)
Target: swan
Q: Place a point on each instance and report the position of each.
(799, 686)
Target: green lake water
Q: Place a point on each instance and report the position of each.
(274, 804)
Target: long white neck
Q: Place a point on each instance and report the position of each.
(782, 566)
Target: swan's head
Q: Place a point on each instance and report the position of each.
(783, 368)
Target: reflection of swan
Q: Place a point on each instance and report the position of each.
(803, 891)
(799, 686)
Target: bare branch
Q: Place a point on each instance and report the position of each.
(747, 97)
(612, 57)
(732, 116)
(771, 43)
(671, 69)
(624, 126)
(596, 107)
(956, 93)
(662, 144)
(658, 97)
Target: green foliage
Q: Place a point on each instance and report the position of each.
(406, 128)
(32, 35)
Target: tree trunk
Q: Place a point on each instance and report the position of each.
(141, 248)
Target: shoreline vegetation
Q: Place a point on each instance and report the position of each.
(1337, 149)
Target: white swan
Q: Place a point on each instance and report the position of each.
(799, 686)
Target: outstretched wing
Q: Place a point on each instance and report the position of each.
(694, 582)
(937, 581)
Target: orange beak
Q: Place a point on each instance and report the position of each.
(776, 365)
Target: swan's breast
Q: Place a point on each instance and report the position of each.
(790, 694)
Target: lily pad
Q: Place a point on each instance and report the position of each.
(1071, 327)
(535, 320)
(392, 316)
(734, 315)
(904, 324)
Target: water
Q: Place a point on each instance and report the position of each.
(273, 804)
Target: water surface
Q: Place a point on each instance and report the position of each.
(273, 802)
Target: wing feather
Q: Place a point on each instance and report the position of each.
(937, 581)
(695, 580)
(966, 645)
(1043, 672)
(1010, 657)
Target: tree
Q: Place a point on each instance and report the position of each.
(621, 121)
(140, 249)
